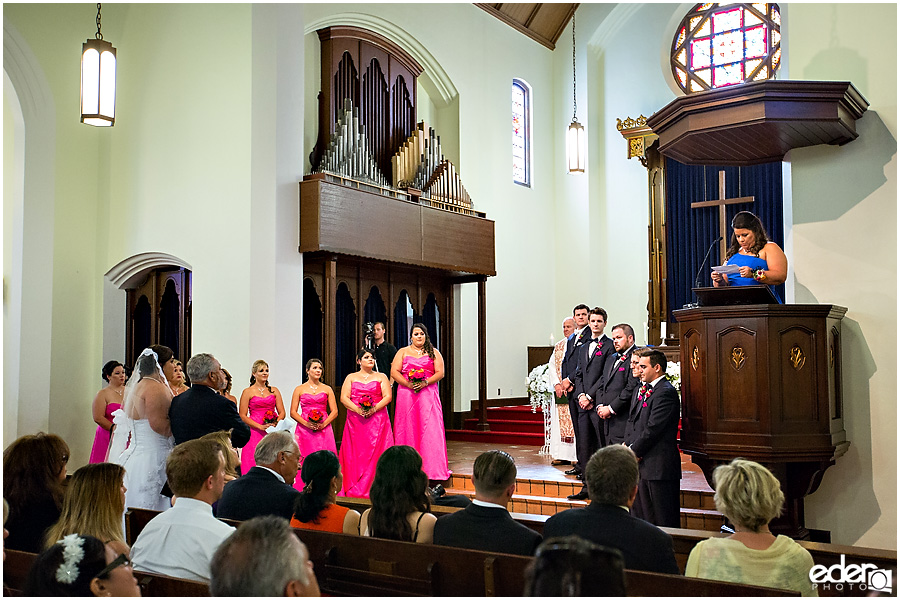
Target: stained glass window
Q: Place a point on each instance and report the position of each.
(521, 132)
(723, 44)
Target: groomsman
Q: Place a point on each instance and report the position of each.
(617, 387)
(651, 433)
(570, 363)
(592, 360)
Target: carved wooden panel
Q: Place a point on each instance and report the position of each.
(739, 395)
(692, 378)
(797, 347)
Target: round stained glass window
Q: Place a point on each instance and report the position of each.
(717, 45)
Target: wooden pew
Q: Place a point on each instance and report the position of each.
(15, 570)
(355, 566)
(162, 586)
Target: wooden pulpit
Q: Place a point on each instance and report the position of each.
(763, 382)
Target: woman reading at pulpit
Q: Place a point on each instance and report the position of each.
(759, 260)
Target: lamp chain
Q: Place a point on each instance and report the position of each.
(99, 35)
(574, 98)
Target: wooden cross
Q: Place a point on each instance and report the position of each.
(721, 202)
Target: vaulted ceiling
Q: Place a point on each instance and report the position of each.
(543, 23)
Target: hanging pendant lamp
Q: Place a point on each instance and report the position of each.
(575, 135)
(98, 80)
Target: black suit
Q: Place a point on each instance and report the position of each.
(570, 366)
(255, 494)
(485, 528)
(616, 391)
(644, 546)
(588, 376)
(652, 433)
(200, 410)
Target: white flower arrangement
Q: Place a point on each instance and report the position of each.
(673, 374)
(72, 555)
(540, 393)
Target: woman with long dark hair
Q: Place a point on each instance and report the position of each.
(418, 416)
(367, 431)
(34, 468)
(759, 260)
(106, 402)
(314, 408)
(400, 505)
(316, 506)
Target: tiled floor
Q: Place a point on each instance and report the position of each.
(533, 466)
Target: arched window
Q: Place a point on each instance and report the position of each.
(723, 44)
(521, 132)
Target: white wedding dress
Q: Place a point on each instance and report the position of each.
(142, 452)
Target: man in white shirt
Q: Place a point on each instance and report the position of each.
(181, 542)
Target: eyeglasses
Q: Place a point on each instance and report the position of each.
(115, 564)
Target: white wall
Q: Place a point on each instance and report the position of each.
(845, 253)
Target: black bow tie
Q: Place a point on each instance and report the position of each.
(596, 340)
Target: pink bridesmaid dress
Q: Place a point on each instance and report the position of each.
(364, 440)
(419, 420)
(100, 450)
(312, 441)
(258, 409)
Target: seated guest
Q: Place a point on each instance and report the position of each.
(267, 488)
(180, 542)
(201, 410)
(612, 480)
(34, 469)
(94, 505)
(400, 504)
(486, 524)
(572, 566)
(81, 565)
(263, 558)
(315, 507)
(750, 496)
(232, 460)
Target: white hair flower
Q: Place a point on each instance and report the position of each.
(72, 554)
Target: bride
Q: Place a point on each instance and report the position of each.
(143, 438)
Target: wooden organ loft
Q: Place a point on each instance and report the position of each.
(386, 226)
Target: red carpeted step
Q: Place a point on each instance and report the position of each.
(496, 437)
(512, 425)
(510, 413)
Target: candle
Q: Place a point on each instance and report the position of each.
(662, 331)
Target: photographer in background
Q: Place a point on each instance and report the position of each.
(384, 353)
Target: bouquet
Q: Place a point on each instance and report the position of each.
(673, 374)
(315, 416)
(270, 418)
(366, 404)
(417, 376)
(539, 391)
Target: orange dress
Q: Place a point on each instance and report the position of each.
(330, 519)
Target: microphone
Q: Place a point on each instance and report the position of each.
(705, 258)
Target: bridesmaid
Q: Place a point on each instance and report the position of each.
(313, 398)
(367, 431)
(177, 382)
(107, 401)
(260, 408)
(418, 416)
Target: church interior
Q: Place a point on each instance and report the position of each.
(204, 179)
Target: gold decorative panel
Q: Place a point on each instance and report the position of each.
(797, 357)
(695, 358)
(738, 357)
